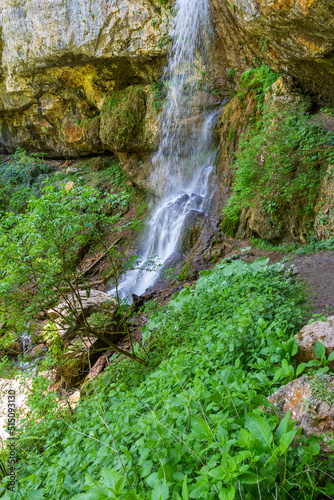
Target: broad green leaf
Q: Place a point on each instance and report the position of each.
(259, 428)
(283, 426)
(313, 362)
(129, 495)
(201, 428)
(300, 368)
(227, 493)
(249, 478)
(285, 367)
(96, 493)
(160, 491)
(112, 479)
(331, 356)
(35, 495)
(285, 440)
(292, 347)
(185, 492)
(319, 350)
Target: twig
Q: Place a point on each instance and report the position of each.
(100, 258)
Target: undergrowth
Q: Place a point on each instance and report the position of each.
(192, 424)
(281, 159)
(312, 246)
(21, 177)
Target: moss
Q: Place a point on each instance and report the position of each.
(122, 120)
(185, 272)
(230, 226)
(232, 135)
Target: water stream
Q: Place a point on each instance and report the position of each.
(183, 163)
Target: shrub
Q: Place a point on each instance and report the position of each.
(281, 160)
(21, 177)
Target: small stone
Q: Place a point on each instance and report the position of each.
(69, 186)
(74, 398)
(129, 184)
(71, 170)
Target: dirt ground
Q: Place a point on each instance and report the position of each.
(317, 272)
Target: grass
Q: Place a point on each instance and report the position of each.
(312, 246)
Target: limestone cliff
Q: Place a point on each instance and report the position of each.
(63, 61)
(292, 36)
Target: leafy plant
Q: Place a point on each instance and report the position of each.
(40, 253)
(281, 159)
(191, 424)
(21, 176)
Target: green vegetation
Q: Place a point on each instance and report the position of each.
(281, 160)
(294, 248)
(230, 72)
(159, 94)
(192, 423)
(40, 252)
(21, 176)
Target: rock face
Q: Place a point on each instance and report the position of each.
(320, 331)
(67, 321)
(63, 61)
(324, 220)
(294, 36)
(310, 402)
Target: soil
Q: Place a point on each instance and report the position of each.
(317, 272)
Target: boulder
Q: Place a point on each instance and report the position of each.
(67, 315)
(320, 331)
(37, 351)
(75, 347)
(69, 186)
(310, 401)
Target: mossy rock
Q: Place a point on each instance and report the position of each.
(122, 120)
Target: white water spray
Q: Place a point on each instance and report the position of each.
(181, 172)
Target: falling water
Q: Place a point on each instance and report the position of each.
(181, 165)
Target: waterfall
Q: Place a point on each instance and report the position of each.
(181, 165)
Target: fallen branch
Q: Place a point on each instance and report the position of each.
(99, 259)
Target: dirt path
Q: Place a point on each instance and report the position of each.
(317, 272)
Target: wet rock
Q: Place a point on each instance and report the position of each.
(310, 400)
(121, 124)
(37, 351)
(59, 68)
(214, 253)
(191, 230)
(14, 349)
(320, 331)
(98, 164)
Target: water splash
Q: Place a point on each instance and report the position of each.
(182, 164)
